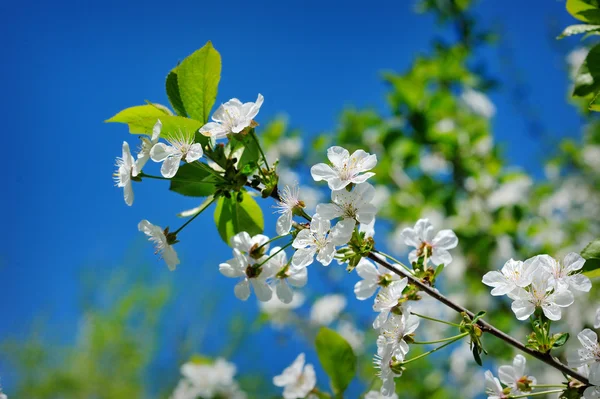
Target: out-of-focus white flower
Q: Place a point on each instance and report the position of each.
(232, 117)
(345, 168)
(434, 163)
(280, 314)
(513, 192)
(290, 201)
(311, 197)
(478, 103)
(182, 147)
(372, 278)
(379, 395)
(513, 274)
(591, 156)
(326, 309)
(297, 380)
(248, 254)
(387, 299)
(208, 380)
(421, 237)
(147, 143)
(352, 335)
(286, 275)
(493, 388)
(396, 328)
(540, 295)
(353, 206)
(158, 237)
(445, 125)
(514, 376)
(588, 354)
(320, 240)
(125, 169)
(565, 275)
(575, 59)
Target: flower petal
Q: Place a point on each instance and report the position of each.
(284, 223)
(284, 292)
(242, 290)
(170, 166)
(194, 153)
(160, 152)
(445, 239)
(337, 155)
(322, 171)
(262, 290)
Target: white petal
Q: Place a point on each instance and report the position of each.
(522, 309)
(128, 193)
(156, 130)
(552, 312)
(366, 214)
(328, 211)
(411, 238)
(364, 289)
(214, 130)
(284, 223)
(322, 171)
(562, 298)
(325, 255)
(362, 178)
(298, 278)
(573, 261)
(194, 153)
(367, 270)
(337, 155)
(594, 376)
(231, 269)
(342, 232)
(160, 152)
(588, 339)
(580, 282)
(170, 166)
(303, 257)
(170, 257)
(284, 292)
(440, 256)
(303, 239)
(365, 160)
(242, 290)
(336, 183)
(242, 242)
(262, 290)
(445, 239)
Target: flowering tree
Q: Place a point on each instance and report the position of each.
(396, 168)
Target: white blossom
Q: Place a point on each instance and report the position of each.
(232, 117)
(161, 244)
(208, 380)
(147, 144)
(591, 156)
(493, 388)
(345, 169)
(354, 336)
(286, 275)
(372, 278)
(540, 295)
(125, 169)
(353, 206)
(297, 380)
(564, 275)
(280, 314)
(320, 240)
(387, 299)
(591, 392)
(512, 192)
(513, 274)
(396, 328)
(588, 354)
(514, 376)
(290, 201)
(248, 254)
(182, 147)
(421, 237)
(379, 395)
(326, 309)
(478, 103)
(383, 361)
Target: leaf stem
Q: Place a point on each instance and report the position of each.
(393, 260)
(142, 174)
(253, 134)
(536, 393)
(548, 386)
(194, 217)
(422, 355)
(272, 239)
(272, 255)
(439, 341)
(436, 320)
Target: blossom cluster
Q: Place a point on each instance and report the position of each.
(208, 380)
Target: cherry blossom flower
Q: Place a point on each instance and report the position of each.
(540, 295)
(290, 201)
(345, 169)
(421, 237)
(326, 309)
(383, 362)
(286, 275)
(478, 103)
(387, 299)
(396, 328)
(280, 314)
(493, 388)
(353, 206)
(591, 392)
(319, 240)
(297, 380)
(372, 278)
(232, 117)
(182, 147)
(514, 376)
(147, 144)
(566, 275)
(354, 336)
(589, 355)
(125, 169)
(249, 272)
(162, 241)
(513, 274)
(255, 246)
(208, 380)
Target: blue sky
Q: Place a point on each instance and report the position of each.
(68, 66)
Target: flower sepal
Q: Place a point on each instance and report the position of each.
(469, 325)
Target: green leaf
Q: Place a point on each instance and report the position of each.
(584, 10)
(198, 209)
(588, 77)
(233, 216)
(577, 29)
(141, 120)
(337, 358)
(477, 356)
(194, 181)
(592, 250)
(560, 339)
(591, 254)
(198, 80)
(172, 86)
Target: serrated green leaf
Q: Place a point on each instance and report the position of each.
(194, 181)
(584, 10)
(577, 29)
(172, 87)
(138, 118)
(337, 359)
(198, 80)
(233, 217)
